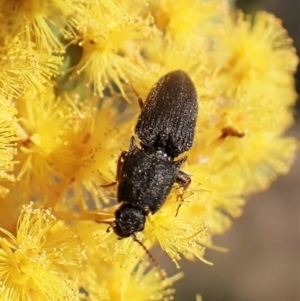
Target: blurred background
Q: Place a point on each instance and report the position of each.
(263, 262)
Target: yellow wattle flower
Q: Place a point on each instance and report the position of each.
(34, 20)
(183, 18)
(8, 138)
(110, 54)
(119, 269)
(70, 137)
(178, 234)
(42, 261)
(23, 68)
(107, 279)
(43, 121)
(251, 52)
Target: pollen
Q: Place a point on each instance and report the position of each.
(42, 261)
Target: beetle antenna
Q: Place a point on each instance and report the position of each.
(141, 104)
(152, 259)
(110, 225)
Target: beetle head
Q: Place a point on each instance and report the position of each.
(129, 220)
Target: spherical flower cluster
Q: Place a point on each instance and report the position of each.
(70, 74)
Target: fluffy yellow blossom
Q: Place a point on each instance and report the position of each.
(184, 233)
(23, 68)
(95, 141)
(108, 281)
(109, 249)
(115, 269)
(107, 42)
(226, 140)
(8, 136)
(254, 52)
(122, 251)
(246, 105)
(33, 21)
(43, 121)
(212, 198)
(42, 261)
(67, 147)
(184, 18)
(60, 141)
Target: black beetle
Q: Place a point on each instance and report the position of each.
(165, 129)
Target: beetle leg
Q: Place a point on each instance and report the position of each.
(184, 181)
(179, 163)
(141, 104)
(119, 168)
(109, 185)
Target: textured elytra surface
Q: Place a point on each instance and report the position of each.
(169, 114)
